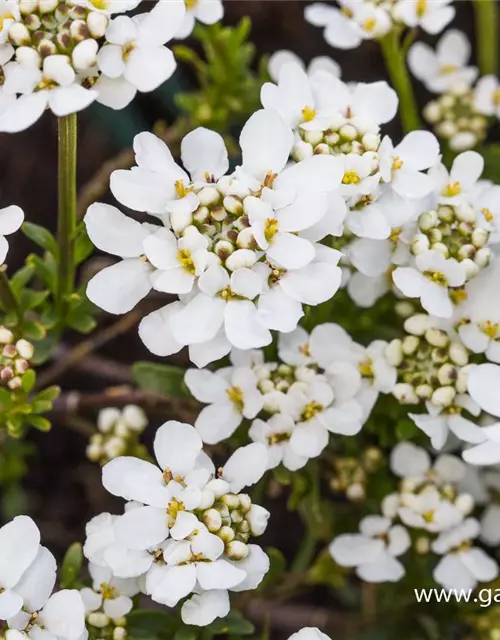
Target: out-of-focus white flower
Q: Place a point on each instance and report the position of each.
(431, 15)
(487, 96)
(112, 595)
(309, 633)
(11, 218)
(321, 63)
(453, 187)
(462, 565)
(346, 27)
(443, 68)
(373, 551)
(204, 11)
(482, 385)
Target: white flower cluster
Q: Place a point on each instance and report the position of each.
(14, 358)
(186, 529)
(324, 383)
(27, 578)
(354, 21)
(430, 504)
(65, 55)
(459, 115)
(235, 248)
(118, 433)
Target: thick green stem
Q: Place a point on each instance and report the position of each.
(8, 298)
(67, 211)
(395, 61)
(487, 33)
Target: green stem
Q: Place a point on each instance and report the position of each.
(67, 212)
(8, 298)
(395, 61)
(487, 33)
(305, 554)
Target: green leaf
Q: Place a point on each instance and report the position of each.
(40, 423)
(32, 299)
(40, 236)
(28, 380)
(21, 278)
(71, 566)
(186, 633)
(83, 246)
(45, 268)
(147, 625)
(49, 394)
(163, 378)
(234, 622)
(81, 322)
(33, 331)
(5, 399)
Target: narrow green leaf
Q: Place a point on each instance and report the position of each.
(28, 380)
(162, 378)
(71, 566)
(40, 423)
(40, 236)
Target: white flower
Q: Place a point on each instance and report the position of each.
(62, 616)
(231, 394)
(440, 70)
(275, 433)
(82, 47)
(321, 63)
(373, 551)
(204, 11)
(402, 166)
(347, 27)
(11, 218)
(19, 547)
(134, 58)
(309, 633)
(482, 385)
(409, 461)
(486, 96)
(462, 568)
(430, 281)
(428, 510)
(431, 15)
(113, 594)
(453, 187)
(487, 452)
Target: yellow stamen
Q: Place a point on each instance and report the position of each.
(270, 228)
(107, 591)
(490, 329)
(488, 216)
(448, 68)
(347, 12)
(421, 8)
(395, 233)
(496, 97)
(308, 113)
(459, 295)
(311, 409)
(437, 277)
(181, 190)
(304, 349)
(428, 516)
(190, 4)
(369, 24)
(235, 394)
(351, 177)
(100, 4)
(366, 368)
(452, 189)
(184, 257)
(277, 438)
(397, 163)
(174, 506)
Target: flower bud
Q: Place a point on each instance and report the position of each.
(219, 487)
(394, 352)
(465, 503)
(313, 137)
(266, 386)
(98, 619)
(236, 550)
(28, 6)
(241, 258)
(424, 391)
(404, 393)
(257, 518)
(245, 502)
(479, 237)
(212, 520)
(231, 500)
(443, 397)
(465, 213)
(94, 452)
(432, 112)
(223, 248)
(107, 419)
(422, 545)
(226, 534)
(19, 34)
(483, 256)
(458, 354)
(427, 220)
(207, 499)
(441, 248)
(390, 505)
(180, 219)
(355, 492)
(114, 447)
(97, 24)
(6, 336)
(119, 633)
(410, 344)
(371, 141)
(121, 429)
(418, 324)
(25, 349)
(446, 214)
(437, 337)
(135, 417)
(84, 54)
(471, 268)
(420, 244)
(302, 150)
(348, 132)
(447, 374)
(236, 516)
(209, 196)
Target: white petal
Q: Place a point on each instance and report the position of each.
(161, 24)
(204, 154)
(483, 384)
(11, 218)
(117, 289)
(70, 99)
(246, 466)
(199, 321)
(202, 609)
(218, 575)
(351, 550)
(155, 332)
(265, 142)
(290, 251)
(25, 111)
(10, 604)
(142, 528)
(115, 93)
(176, 447)
(19, 542)
(134, 479)
(38, 581)
(149, 67)
(243, 329)
(217, 422)
(64, 614)
(113, 232)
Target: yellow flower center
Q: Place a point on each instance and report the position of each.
(308, 113)
(235, 394)
(6, 16)
(366, 368)
(101, 5)
(304, 349)
(395, 233)
(397, 163)
(459, 295)
(184, 257)
(428, 516)
(369, 24)
(449, 68)
(437, 277)
(108, 592)
(270, 228)
(351, 177)
(421, 8)
(452, 189)
(190, 4)
(490, 329)
(278, 438)
(174, 506)
(347, 12)
(311, 409)
(181, 190)
(488, 216)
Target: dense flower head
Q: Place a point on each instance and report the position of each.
(234, 248)
(430, 504)
(186, 528)
(65, 55)
(15, 356)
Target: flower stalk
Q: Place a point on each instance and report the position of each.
(395, 60)
(67, 210)
(487, 33)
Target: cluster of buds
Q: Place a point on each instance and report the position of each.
(341, 137)
(351, 474)
(431, 366)
(456, 120)
(233, 518)
(221, 219)
(274, 376)
(454, 231)
(102, 627)
(45, 28)
(118, 434)
(485, 624)
(14, 359)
